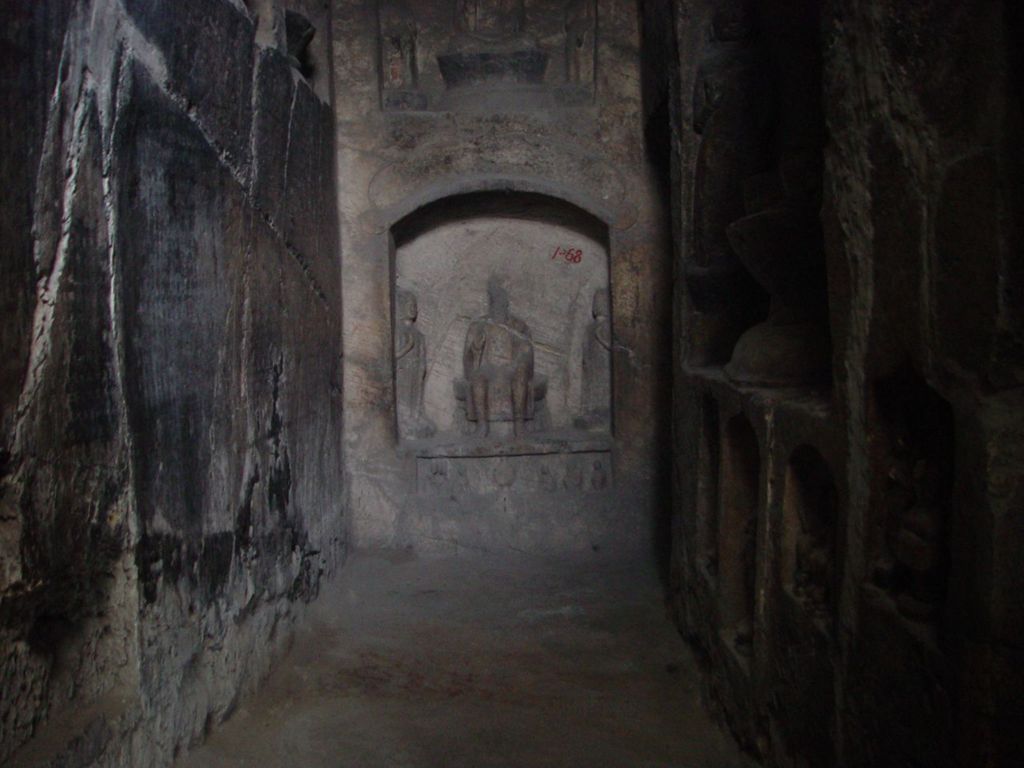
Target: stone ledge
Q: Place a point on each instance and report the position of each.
(814, 400)
(474, 447)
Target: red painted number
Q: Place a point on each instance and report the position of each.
(569, 255)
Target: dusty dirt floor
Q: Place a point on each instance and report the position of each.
(479, 663)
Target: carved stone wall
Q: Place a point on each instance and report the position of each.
(887, 505)
(561, 208)
(455, 55)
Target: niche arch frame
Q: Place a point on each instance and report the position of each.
(530, 200)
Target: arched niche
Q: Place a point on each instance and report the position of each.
(809, 529)
(551, 258)
(740, 482)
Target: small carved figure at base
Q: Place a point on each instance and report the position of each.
(813, 570)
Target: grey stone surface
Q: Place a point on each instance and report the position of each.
(169, 483)
(208, 49)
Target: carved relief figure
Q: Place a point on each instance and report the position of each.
(579, 41)
(498, 365)
(597, 373)
(917, 457)
(410, 368)
(730, 112)
(399, 62)
(915, 572)
(489, 19)
(814, 570)
(399, 69)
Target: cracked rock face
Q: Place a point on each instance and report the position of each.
(170, 481)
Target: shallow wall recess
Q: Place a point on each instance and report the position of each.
(739, 493)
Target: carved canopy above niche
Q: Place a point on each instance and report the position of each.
(486, 54)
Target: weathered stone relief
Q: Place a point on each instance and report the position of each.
(410, 368)
(879, 627)
(515, 320)
(513, 361)
(810, 516)
(756, 203)
(455, 54)
(915, 458)
(491, 20)
(499, 382)
(573, 472)
(399, 54)
(597, 366)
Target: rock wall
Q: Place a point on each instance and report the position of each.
(844, 548)
(171, 408)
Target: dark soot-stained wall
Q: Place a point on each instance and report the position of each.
(171, 405)
(884, 153)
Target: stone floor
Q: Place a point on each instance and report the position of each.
(466, 662)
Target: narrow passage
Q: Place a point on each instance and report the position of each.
(478, 663)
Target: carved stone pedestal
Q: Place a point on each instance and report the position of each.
(538, 495)
(780, 244)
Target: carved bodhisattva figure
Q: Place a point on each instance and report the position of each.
(410, 368)
(498, 366)
(597, 365)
